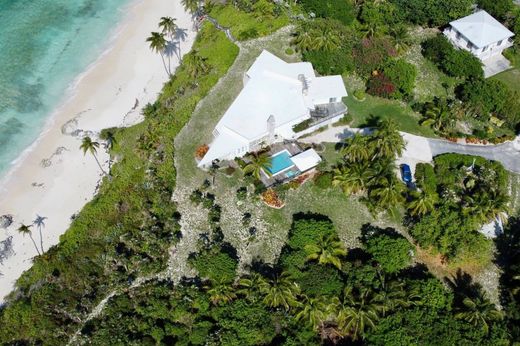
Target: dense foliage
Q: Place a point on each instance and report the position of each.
(454, 62)
(335, 9)
(304, 299)
(470, 191)
(433, 12)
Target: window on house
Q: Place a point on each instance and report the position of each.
(484, 49)
(458, 35)
(332, 100)
(499, 43)
(469, 45)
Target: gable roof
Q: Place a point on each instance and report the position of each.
(481, 29)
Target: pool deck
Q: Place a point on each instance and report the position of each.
(287, 174)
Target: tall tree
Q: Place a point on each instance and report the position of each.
(280, 292)
(479, 312)
(352, 178)
(358, 148)
(110, 143)
(357, 313)
(26, 229)
(258, 162)
(328, 250)
(422, 203)
(312, 311)
(39, 222)
(91, 146)
(221, 293)
(158, 44)
(168, 27)
(389, 141)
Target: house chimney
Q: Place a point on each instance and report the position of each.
(305, 85)
(271, 125)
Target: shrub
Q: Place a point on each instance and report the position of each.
(402, 75)
(454, 62)
(425, 177)
(248, 34)
(380, 85)
(389, 249)
(289, 51)
(201, 151)
(497, 8)
(216, 264)
(433, 12)
(242, 193)
(345, 120)
(320, 280)
(340, 10)
(304, 125)
(359, 94)
(270, 197)
(323, 180)
(371, 53)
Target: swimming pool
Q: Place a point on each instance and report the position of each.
(280, 162)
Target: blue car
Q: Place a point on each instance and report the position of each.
(406, 173)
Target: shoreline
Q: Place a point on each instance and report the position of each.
(52, 177)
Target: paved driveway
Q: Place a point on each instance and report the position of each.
(508, 153)
(422, 149)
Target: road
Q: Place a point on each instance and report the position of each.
(421, 149)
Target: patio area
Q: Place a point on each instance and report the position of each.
(289, 160)
(495, 65)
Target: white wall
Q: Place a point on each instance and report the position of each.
(490, 51)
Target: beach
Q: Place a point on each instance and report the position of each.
(53, 178)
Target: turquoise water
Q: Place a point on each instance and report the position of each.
(44, 45)
(279, 162)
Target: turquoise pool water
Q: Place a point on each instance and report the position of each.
(279, 162)
(44, 45)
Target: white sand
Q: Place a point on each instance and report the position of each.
(102, 97)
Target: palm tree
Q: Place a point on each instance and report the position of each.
(313, 311)
(352, 178)
(392, 295)
(195, 64)
(280, 292)
(358, 148)
(259, 162)
(191, 6)
(221, 293)
(158, 44)
(303, 39)
(110, 142)
(40, 223)
(479, 312)
(328, 250)
(422, 203)
(387, 193)
(88, 145)
(388, 139)
(325, 39)
(357, 313)
(26, 229)
(401, 38)
(249, 286)
(168, 26)
(438, 116)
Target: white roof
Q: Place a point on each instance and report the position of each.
(481, 29)
(306, 160)
(274, 89)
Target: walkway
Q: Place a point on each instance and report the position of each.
(423, 149)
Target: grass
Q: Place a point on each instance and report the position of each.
(365, 112)
(511, 78)
(247, 25)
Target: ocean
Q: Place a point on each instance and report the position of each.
(44, 46)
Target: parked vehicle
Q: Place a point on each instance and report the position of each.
(406, 173)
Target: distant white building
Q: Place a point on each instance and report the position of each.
(483, 36)
(276, 96)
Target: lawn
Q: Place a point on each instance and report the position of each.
(365, 112)
(511, 78)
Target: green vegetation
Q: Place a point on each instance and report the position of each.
(469, 192)
(249, 19)
(125, 232)
(454, 62)
(300, 301)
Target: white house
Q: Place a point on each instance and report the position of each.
(276, 96)
(483, 36)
